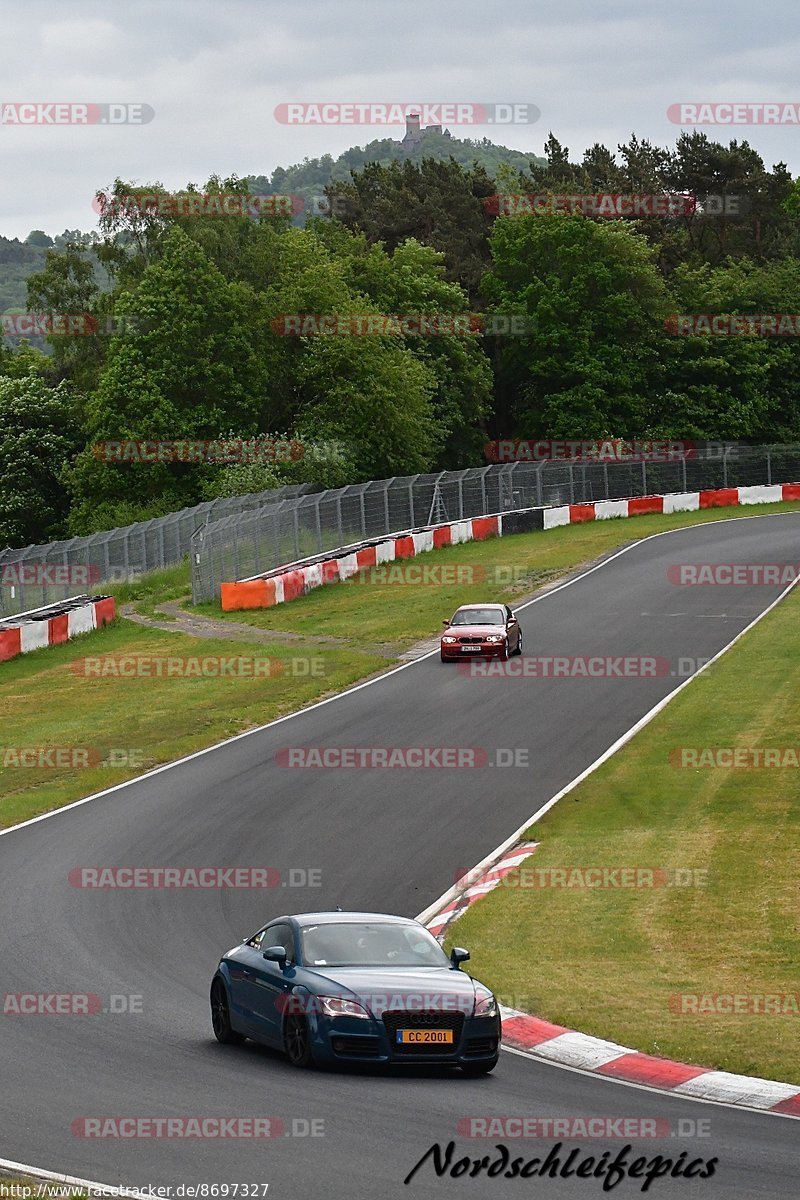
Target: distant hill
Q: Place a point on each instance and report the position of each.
(19, 259)
(310, 177)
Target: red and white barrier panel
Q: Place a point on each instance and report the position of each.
(289, 584)
(599, 510)
(36, 630)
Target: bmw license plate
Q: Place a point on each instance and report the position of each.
(425, 1037)
(470, 649)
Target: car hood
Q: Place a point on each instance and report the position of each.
(474, 630)
(384, 990)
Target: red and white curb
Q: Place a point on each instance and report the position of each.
(486, 882)
(567, 1047)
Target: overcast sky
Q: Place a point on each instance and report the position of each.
(213, 72)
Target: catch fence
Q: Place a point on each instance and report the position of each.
(34, 576)
(284, 531)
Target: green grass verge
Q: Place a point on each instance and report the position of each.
(29, 1187)
(608, 962)
(47, 701)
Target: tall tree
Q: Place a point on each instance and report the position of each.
(437, 203)
(40, 436)
(594, 303)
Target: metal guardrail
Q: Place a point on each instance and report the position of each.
(248, 544)
(35, 576)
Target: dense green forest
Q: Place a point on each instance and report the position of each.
(192, 316)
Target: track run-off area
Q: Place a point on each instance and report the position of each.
(366, 838)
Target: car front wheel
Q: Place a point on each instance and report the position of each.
(297, 1041)
(221, 1017)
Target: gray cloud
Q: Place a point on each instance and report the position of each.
(214, 73)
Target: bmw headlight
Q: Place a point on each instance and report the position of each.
(339, 1006)
(449, 639)
(485, 1005)
(494, 637)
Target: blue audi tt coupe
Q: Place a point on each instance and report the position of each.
(340, 987)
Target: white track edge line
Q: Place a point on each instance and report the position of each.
(367, 682)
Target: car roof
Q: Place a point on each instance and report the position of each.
(340, 918)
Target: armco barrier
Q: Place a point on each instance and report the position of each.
(298, 578)
(54, 624)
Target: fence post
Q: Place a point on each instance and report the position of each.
(257, 545)
(3, 606)
(363, 514)
(237, 568)
(276, 539)
(725, 467)
(461, 497)
(386, 504)
(194, 564)
(683, 472)
(338, 519)
(769, 469)
(319, 526)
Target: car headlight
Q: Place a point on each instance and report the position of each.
(485, 1005)
(449, 639)
(494, 637)
(339, 1006)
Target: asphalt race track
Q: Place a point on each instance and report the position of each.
(388, 840)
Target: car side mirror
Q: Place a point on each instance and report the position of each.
(276, 954)
(458, 955)
(445, 623)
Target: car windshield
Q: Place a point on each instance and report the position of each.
(371, 944)
(479, 616)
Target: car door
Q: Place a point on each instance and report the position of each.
(267, 984)
(512, 625)
(242, 966)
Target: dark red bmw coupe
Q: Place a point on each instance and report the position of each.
(481, 631)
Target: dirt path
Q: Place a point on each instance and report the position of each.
(179, 620)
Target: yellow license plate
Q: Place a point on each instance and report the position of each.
(425, 1037)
